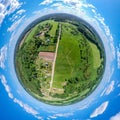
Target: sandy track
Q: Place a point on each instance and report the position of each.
(53, 67)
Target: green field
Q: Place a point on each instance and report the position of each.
(59, 64)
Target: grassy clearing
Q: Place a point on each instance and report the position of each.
(53, 30)
(68, 58)
(96, 55)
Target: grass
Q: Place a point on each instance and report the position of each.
(96, 55)
(68, 58)
(31, 34)
(53, 30)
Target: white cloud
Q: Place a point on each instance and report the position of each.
(45, 2)
(1, 17)
(68, 5)
(57, 5)
(3, 55)
(21, 11)
(26, 107)
(1, 7)
(72, 1)
(108, 89)
(77, 4)
(116, 117)
(7, 88)
(89, 5)
(7, 7)
(17, 16)
(53, 117)
(118, 85)
(118, 57)
(100, 110)
(13, 5)
(61, 115)
(15, 24)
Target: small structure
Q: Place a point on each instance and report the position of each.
(48, 40)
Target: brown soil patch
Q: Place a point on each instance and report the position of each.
(48, 56)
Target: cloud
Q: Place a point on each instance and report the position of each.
(1, 17)
(7, 7)
(26, 107)
(116, 117)
(89, 5)
(7, 88)
(108, 89)
(17, 16)
(46, 2)
(15, 24)
(52, 117)
(100, 110)
(61, 115)
(21, 11)
(13, 5)
(118, 85)
(57, 5)
(72, 1)
(118, 57)
(75, 3)
(3, 55)
(67, 6)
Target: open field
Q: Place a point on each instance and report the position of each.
(56, 56)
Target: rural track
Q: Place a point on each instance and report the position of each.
(56, 51)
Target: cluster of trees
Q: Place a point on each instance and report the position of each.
(46, 28)
(78, 86)
(56, 34)
(74, 32)
(100, 69)
(90, 35)
(26, 58)
(28, 55)
(27, 68)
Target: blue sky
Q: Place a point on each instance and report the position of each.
(110, 10)
(16, 103)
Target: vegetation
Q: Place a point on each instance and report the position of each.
(79, 62)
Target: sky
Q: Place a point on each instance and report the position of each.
(16, 103)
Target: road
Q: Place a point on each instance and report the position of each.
(56, 51)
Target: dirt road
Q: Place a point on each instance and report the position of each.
(53, 67)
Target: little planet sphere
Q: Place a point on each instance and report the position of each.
(59, 59)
